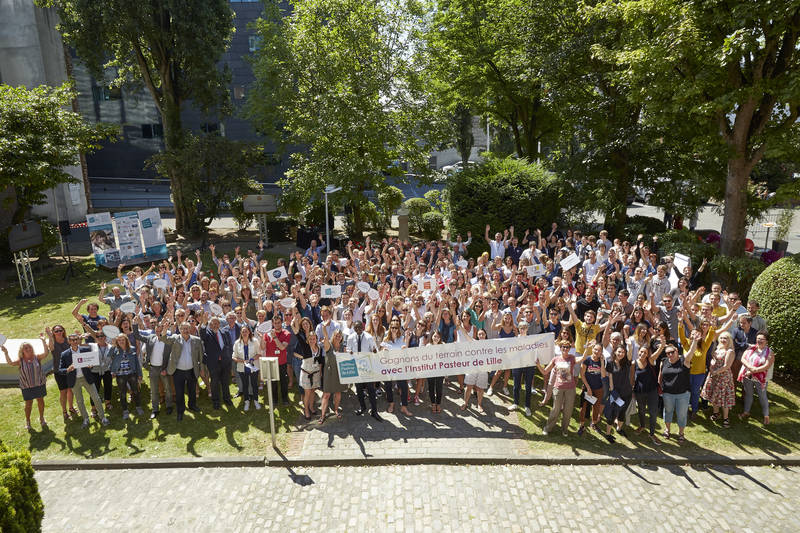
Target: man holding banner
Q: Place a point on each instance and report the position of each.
(360, 342)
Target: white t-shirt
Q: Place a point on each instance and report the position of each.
(497, 249)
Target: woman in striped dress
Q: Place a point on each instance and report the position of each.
(32, 379)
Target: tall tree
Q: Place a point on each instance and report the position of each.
(729, 68)
(170, 46)
(491, 55)
(39, 136)
(342, 79)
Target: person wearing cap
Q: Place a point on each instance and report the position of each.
(79, 381)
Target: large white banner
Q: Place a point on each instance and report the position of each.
(155, 245)
(129, 235)
(446, 359)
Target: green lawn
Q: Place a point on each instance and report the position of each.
(703, 437)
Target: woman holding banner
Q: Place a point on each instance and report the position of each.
(394, 341)
(330, 373)
(478, 381)
(505, 328)
(435, 384)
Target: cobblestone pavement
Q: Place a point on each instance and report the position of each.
(425, 434)
(424, 498)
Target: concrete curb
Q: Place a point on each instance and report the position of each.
(278, 462)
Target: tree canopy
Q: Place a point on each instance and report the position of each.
(170, 46)
(40, 135)
(342, 79)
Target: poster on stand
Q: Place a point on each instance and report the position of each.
(155, 245)
(104, 243)
(129, 236)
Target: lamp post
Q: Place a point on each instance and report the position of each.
(330, 189)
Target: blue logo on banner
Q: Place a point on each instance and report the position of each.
(277, 274)
(146, 223)
(348, 369)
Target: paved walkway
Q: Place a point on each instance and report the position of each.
(423, 498)
(426, 434)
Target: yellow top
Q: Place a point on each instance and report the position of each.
(699, 358)
(584, 332)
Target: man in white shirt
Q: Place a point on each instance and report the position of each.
(497, 247)
(359, 342)
(157, 346)
(590, 267)
(184, 367)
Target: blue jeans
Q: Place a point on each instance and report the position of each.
(695, 385)
(296, 364)
(527, 373)
(677, 404)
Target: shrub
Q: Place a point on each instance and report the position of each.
(439, 200)
(416, 208)
(651, 225)
(278, 228)
(21, 507)
(686, 243)
(736, 273)
(777, 290)
(432, 225)
(502, 193)
(389, 199)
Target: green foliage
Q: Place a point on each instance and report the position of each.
(390, 199)
(342, 79)
(50, 238)
(784, 223)
(416, 208)
(218, 172)
(651, 225)
(40, 135)
(432, 225)
(502, 193)
(687, 243)
(736, 273)
(21, 507)
(440, 200)
(777, 290)
(172, 47)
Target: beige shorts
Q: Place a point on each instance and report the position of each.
(478, 379)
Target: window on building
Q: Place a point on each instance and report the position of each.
(210, 127)
(103, 93)
(238, 93)
(254, 42)
(152, 131)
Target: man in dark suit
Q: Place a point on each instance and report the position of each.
(232, 330)
(218, 352)
(79, 379)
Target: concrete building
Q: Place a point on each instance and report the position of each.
(32, 54)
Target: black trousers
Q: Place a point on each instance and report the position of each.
(370, 388)
(249, 385)
(648, 400)
(435, 386)
(283, 377)
(103, 385)
(220, 379)
(402, 385)
(185, 381)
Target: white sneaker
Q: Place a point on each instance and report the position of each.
(527, 411)
(257, 405)
(247, 405)
(489, 391)
(513, 407)
(505, 391)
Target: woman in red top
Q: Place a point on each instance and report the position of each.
(563, 388)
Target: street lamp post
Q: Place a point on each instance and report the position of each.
(330, 189)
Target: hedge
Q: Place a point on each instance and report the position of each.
(432, 225)
(777, 290)
(21, 507)
(416, 208)
(502, 193)
(686, 243)
(736, 273)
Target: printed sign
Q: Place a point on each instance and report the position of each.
(330, 291)
(570, 261)
(104, 243)
(446, 359)
(426, 283)
(277, 274)
(363, 286)
(128, 307)
(535, 270)
(111, 332)
(84, 359)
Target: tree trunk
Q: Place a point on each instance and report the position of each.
(358, 222)
(615, 215)
(185, 215)
(734, 220)
(465, 138)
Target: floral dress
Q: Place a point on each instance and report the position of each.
(718, 388)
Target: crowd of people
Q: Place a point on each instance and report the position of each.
(630, 344)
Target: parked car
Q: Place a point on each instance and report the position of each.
(457, 167)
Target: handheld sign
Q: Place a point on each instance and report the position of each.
(342, 262)
(216, 309)
(535, 270)
(84, 359)
(372, 294)
(288, 303)
(331, 291)
(363, 286)
(277, 274)
(426, 284)
(160, 283)
(570, 261)
(462, 263)
(128, 307)
(3, 339)
(264, 328)
(111, 331)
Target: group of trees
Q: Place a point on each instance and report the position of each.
(687, 94)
